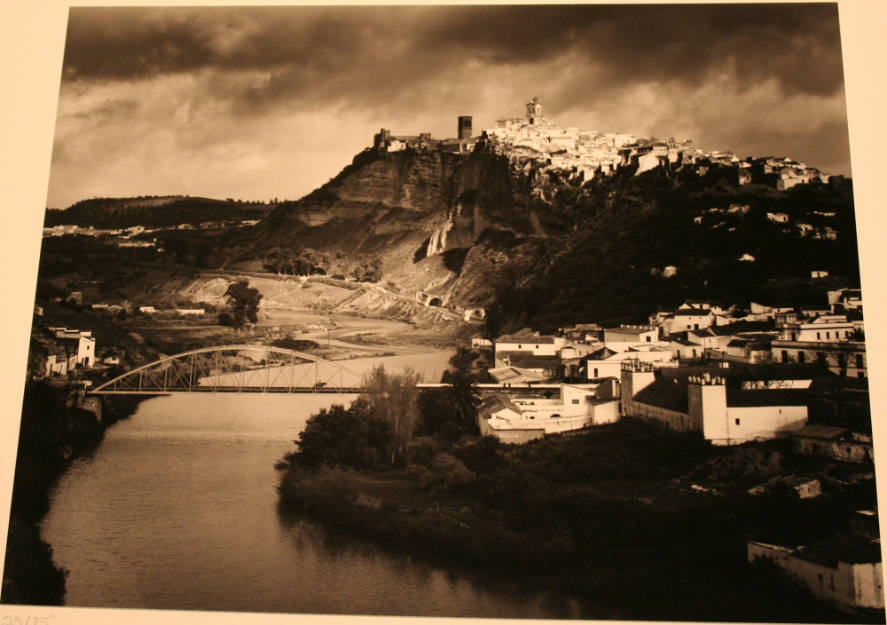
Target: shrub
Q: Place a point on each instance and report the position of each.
(352, 437)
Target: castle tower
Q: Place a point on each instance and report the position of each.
(534, 111)
(464, 130)
(707, 407)
(635, 377)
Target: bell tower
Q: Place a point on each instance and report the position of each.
(534, 111)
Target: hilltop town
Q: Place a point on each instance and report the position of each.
(595, 282)
(587, 154)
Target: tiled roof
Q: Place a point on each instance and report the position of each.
(529, 361)
(601, 354)
(495, 403)
(536, 340)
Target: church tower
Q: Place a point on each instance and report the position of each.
(534, 111)
(464, 128)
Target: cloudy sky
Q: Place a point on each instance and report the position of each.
(263, 102)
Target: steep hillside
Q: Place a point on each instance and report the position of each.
(481, 229)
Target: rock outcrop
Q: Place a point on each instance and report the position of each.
(473, 230)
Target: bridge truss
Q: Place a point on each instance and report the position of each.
(235, 369)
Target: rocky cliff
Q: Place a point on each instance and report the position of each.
(481, 229)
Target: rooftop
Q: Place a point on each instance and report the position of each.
(767, 397)
(848, 548)
(526, 338)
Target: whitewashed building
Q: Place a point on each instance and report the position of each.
(703, 403)
(520, 419)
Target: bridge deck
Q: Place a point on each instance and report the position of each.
(232, 389)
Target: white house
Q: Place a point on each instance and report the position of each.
(621, 338)
(520, 419)
(841, 357)
(844, 570)
(686, 349)
(534, 344)
(57, 364)
(78, 343)
(687, 319)
(823, 328)
(607, 363)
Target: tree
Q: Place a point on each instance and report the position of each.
(493, 322)
(351, 437)
(244, 302)
(449, 413)
(393, 398)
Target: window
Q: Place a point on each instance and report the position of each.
(860, 374)
(817, 336)
(828, 335)
(802, 357)
(595, 372)
(736, 420)
(520, 346)
(575, 401)
(649, 338)
(785, 355)
(820, 358)
(859, 364)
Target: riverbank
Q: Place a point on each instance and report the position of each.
(53, 433)
(610, 518)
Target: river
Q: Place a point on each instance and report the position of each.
(177, 509)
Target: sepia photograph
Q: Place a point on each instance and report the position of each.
(509, 311)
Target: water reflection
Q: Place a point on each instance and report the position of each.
(312, 539)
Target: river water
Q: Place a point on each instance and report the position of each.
(177, 509)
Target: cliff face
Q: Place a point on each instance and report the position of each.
(420, 213)
(478, 229)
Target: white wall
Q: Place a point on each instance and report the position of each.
(857, 585)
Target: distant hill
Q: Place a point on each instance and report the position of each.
(156, 211)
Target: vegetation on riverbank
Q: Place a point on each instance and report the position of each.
(633, 520)
(52, 435)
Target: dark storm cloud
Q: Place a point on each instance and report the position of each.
(372, 55)
(229, 101)
(800, 42)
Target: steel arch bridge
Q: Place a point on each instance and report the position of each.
(235, 369)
